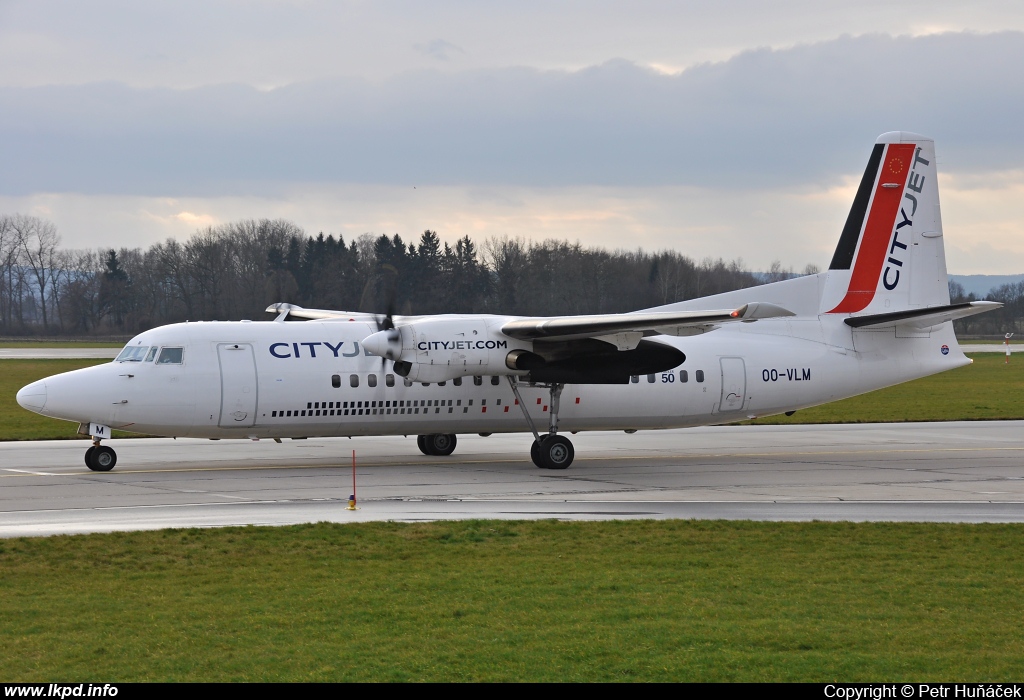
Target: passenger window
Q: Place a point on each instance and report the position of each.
(407, 381)
(495, 381)
(336, 381)
(684, 376)
(441, 383)
(170, 356)
(151, 354)
(478, 381)
(650, 379)
(635, 378)
(699, 374)
(389, 379)
(372, 380)
(353, 380)
(457, 381)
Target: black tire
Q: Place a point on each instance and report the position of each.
(421, 442)
(556, 452)
(88, 455)
(102, 459)
(441, 444)
(535, 454)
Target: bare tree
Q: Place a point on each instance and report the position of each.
(11, 277)
(671, 273)
(776, 273)
(39, 241)
(507, 259)
(61, 274)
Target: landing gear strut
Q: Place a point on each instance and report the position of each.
(437, 445)
(551, 451)
(100, 458)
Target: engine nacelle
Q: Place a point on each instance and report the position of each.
(440, 349)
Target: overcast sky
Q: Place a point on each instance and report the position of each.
(725, 129)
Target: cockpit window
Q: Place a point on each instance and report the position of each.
(133, 353)
(170, 356)
(151, 354)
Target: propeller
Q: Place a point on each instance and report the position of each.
(392, 337)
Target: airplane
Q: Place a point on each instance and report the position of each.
(880, 315)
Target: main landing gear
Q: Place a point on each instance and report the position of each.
(100, 458)
(551, 451)
(436, 445)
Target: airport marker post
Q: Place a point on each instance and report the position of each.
(352, 498)
(1007, 341)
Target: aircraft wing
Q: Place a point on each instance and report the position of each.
(665, 323)
(922, 318)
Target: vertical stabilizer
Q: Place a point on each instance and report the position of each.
(890, 255)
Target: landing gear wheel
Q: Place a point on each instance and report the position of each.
(88, 455)
(441, 444)
(421, 442)
(553, 452)
(102, 459)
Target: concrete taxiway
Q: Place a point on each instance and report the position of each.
(963, 472)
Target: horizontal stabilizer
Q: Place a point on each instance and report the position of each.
(667, 323)
(923, 318)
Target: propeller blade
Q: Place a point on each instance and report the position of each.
(387, 323)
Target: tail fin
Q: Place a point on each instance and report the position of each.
(890, 256)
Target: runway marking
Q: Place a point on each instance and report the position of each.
(483, 460)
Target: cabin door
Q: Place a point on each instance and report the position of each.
(237, 385)
(734, 384)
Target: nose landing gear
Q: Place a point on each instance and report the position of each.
(551, 451)
(100, 458)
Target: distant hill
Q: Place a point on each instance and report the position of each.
(981, 285)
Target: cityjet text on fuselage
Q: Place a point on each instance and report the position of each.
(326, 348)
(427, 345)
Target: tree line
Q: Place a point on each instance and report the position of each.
(237, 269)
(1009, 319)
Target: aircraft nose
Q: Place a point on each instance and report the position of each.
(32, 396)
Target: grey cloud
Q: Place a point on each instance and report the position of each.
(765, 117)
(439, 49)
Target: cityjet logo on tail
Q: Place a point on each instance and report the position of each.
(915, 184)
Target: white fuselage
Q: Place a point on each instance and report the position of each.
(275, 380)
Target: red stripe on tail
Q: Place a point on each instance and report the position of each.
(874, 244)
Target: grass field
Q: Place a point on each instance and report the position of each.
(986, 390)
(18, 424)
(495, 600)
